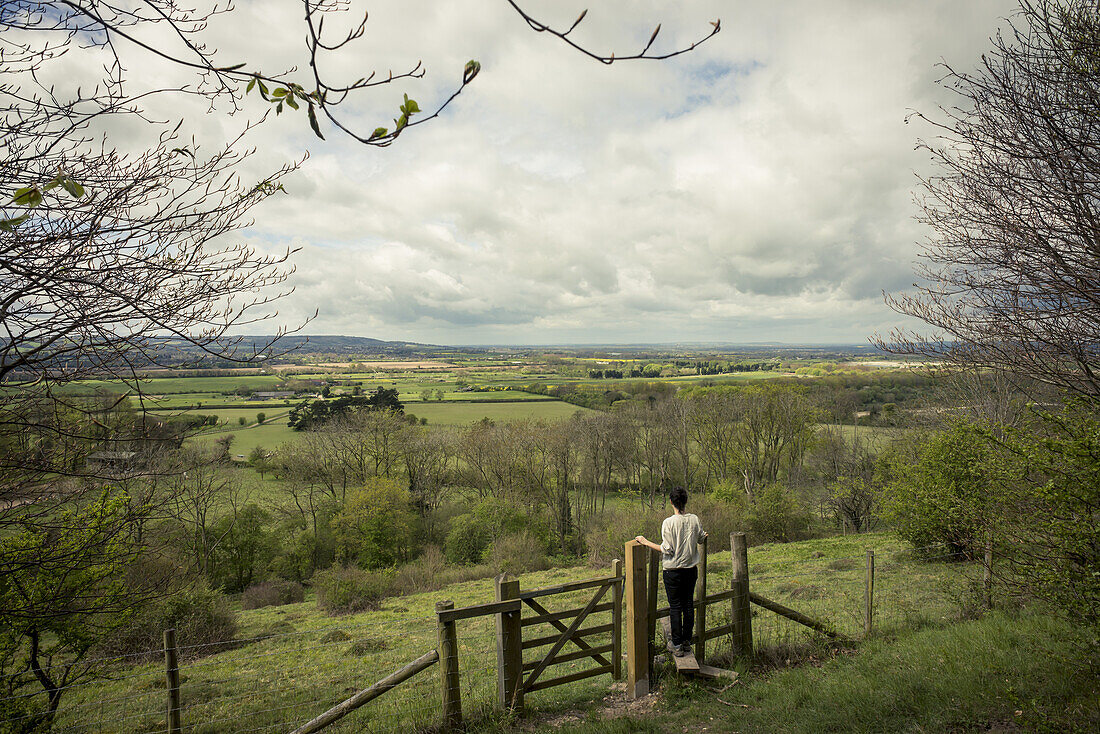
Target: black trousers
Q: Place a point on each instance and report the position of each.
(680, 589)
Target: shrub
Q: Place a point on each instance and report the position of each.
(608, 531)
(467, 540)
(776, 516)
(272, 594)
(471, 534)
(720, 518)
(199, 615)
(374, 528)
(941, 494)
(431, 572)
(347, 589)
(518, 553)
(245, 549)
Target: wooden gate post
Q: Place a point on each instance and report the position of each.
(617, 621)
(172, 675)
(509, 648)
(637, 620)
(653, 582)
(448, 669)
(742, 614)
(701, 596)
(869, 595)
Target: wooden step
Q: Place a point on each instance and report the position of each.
(684, 663)
(689, 664)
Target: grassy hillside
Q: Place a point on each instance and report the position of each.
(1001, 673)
(293, 661)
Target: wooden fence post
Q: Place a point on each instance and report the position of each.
(448, 669)
(869, 595)
(509, 647)
(617, 621)
(172, 674)
(742, 614)
(701, 596)
(987, 573)
(637, 622)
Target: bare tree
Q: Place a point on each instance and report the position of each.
(1011, 274)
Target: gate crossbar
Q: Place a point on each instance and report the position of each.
(566, 636)
(574, 638)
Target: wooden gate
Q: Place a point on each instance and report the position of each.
(517, 676)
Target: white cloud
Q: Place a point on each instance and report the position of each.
(755, 189)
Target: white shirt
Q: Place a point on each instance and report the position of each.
(680, 536)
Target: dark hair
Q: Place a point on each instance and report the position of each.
(679, 498)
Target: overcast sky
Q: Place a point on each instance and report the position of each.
(757, 189)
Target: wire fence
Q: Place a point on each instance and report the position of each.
(910, 588)
(278, 680)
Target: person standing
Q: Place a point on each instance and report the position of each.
(680, 537)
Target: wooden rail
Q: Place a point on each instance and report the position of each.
(370, 693)
(479, 610)
(552, 617)
(793, 615)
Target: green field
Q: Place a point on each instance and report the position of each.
(270, 435)
(459, 414)
(300, 665)
(176, 385)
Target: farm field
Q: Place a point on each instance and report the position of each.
(175, 385)
(270, 435)
(295, 662)
(459, 414)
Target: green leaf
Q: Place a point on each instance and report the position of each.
(52, 184)
(313, 122)
(471, 70)
(280, 92)
(290, 101)
(378, 132)
(279, 109)
(263, 87)
(412, 107)
(73, 187)
(400, 123)
(10, 224)
(29, 196)
(251, 84)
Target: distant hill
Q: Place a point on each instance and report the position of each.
(337, 344)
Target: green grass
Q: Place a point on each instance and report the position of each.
(302, 668)
(270, 435)
(174, 385)
(458, 414)
(1003, 672)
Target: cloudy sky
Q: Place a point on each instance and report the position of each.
(757, 189)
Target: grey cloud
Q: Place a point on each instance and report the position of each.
(758, 188)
